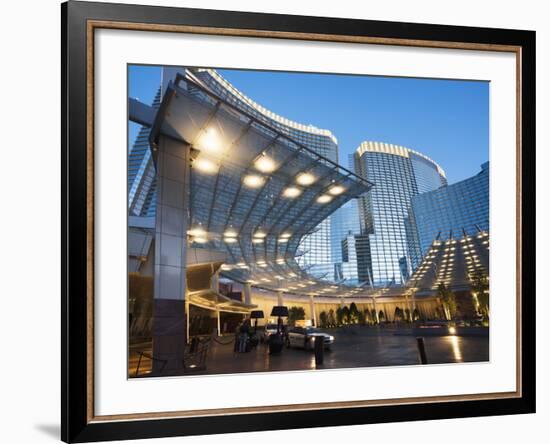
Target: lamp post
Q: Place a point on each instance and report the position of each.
(256, 314)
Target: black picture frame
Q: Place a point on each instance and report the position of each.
(76, 423)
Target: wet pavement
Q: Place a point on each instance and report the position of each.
(353, 347)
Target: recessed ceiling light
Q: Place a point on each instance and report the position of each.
(336, 190)
(230, 232)
(197, 231)
(324, 198)
(260, 234)
(305, 179)
(230, 240)
(286, 235)
(205, 165)
(292, 192)
(210, 140)
(265, 164)
(200, 240)
(253, 180)
(257, 240)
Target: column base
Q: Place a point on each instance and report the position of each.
(169, 336)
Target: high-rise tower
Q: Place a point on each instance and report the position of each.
(398, 174)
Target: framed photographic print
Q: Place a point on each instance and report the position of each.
(275, 221)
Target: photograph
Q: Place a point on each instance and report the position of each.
(282, 221)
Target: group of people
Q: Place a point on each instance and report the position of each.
(246, 339)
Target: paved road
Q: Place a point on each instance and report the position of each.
(353, 347)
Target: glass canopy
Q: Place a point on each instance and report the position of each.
(254, 192)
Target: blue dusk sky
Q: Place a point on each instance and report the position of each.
(447, 120)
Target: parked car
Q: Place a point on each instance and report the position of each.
(268, 331)
(305, 337)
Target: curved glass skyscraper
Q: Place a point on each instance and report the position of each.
(398, 174)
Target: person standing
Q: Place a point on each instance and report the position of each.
(244, 334)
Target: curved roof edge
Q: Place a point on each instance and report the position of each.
(266, 112)
(398, 150)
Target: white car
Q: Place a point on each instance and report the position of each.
(305, 337)
(269, 330)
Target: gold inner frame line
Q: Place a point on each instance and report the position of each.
(92, 25)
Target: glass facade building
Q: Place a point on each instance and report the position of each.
(141, 173)
(398, 174)
(344, 228)
(344, 222)
(451, 211)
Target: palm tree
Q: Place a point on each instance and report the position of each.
(480, 289)
(448, 300)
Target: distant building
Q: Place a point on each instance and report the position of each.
(451, 211)
(142, 182)
(346, 268)
(398, 174)
(344, 221)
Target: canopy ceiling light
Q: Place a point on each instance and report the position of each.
(205, 165)
(324, 198)
(197, 232)
(336, 190)
(253, 181)
(210, 141)
(292, 192)
(305, 179)
(265, 164)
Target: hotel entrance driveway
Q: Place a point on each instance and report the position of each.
(353, 347)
